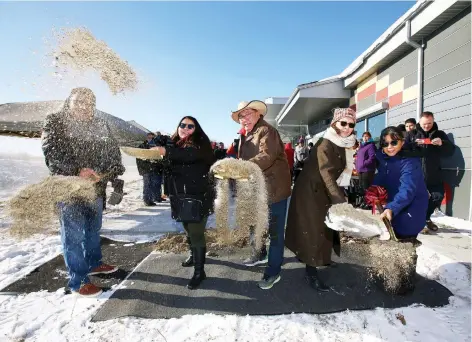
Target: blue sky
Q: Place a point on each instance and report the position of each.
(195, 58)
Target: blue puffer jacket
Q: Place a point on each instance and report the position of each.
(408, 197)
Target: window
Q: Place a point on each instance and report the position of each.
(375, 125)
(360, 128)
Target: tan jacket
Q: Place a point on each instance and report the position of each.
(264, 147)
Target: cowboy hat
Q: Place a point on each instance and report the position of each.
(257, 105)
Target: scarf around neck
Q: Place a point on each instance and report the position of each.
(347, 143)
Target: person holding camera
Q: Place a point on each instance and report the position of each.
(190, 157)
(77, 143)
(433, 144)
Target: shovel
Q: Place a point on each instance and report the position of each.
(387, 224)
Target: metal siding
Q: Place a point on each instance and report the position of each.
(453, 91)
(446, 61)
(449, 124)
(403, 67)
(455, 74)
(448, 30)
(461, 142)
(448, 105)
(411, 80)
(447, 54)
(407, 110)
(460, 185)
(366, 103)
(455, 41)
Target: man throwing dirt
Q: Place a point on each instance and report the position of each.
(77, 143)
(261, 144)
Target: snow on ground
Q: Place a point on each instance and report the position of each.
(452, 222)
(43, 316)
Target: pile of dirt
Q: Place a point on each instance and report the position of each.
(78, 49)
(391, 263)
(35, 208)
(217, 240)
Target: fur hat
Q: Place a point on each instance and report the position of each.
(257, 105)
(341, 113)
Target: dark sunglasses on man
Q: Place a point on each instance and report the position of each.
(190, 126)
(385, 144)
(344, 124)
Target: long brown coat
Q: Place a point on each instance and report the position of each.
(264, 147)
(313, 194)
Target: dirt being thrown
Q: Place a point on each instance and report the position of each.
(35, 207)
(78, 49)
(216, 241)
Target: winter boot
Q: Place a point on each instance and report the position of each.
(199, 271)
(431, 226)
(189, 261)
(312, 278)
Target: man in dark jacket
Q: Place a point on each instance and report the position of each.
(220, 151)
(433, 144)
(152, 174)
(77, 143)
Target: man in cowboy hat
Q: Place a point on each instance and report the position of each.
(262, 145)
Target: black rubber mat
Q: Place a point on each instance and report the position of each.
(53, 275)
(157, 289)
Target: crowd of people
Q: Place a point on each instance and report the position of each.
(76, 143)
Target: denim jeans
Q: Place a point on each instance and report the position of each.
(152, 187)
(278, 213)
(80, 226)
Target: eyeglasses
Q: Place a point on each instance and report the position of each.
(243, 115)
(190, 126)
(386, 144)
(344, 124)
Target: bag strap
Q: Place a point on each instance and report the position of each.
(175, 186)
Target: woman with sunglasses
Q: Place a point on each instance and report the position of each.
(400, 173)
(320, 185)
(191, 192)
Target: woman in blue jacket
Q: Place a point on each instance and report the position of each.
(401, 175)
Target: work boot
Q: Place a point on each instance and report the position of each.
(189, 261)
(312, 278)
(431, 226)
(199, 271)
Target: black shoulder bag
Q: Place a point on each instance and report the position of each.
(188, 209)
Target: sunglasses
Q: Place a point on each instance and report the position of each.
(386, 144)
(344, 124)
(190, 126)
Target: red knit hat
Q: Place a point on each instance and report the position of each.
(341, 113)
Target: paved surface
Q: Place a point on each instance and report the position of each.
(157, 289)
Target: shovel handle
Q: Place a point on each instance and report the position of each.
(387, 223)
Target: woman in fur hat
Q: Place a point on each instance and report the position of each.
(319, 186)
(190, 159)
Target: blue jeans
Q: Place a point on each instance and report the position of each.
(80, 226)
(152, 187)
(278, 213)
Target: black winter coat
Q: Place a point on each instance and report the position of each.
(189, 170)
(430, 154)
(147, 166)
(69, 146)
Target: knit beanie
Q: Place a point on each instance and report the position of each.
(341, 113)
